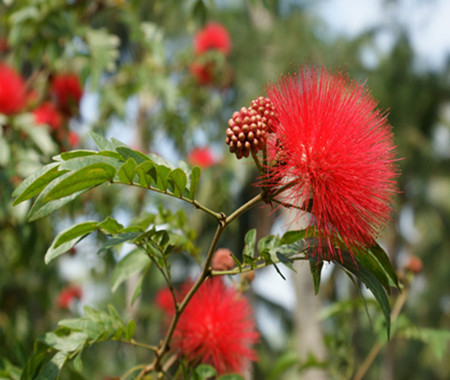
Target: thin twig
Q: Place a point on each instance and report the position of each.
(371, 356)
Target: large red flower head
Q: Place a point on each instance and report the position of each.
(337, 154)
(217, 328)
(213, 37)
(47, 113)
(67, 91)
(12, 91)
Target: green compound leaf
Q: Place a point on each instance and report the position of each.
(36, 182)
(82, 179)
(74, 232)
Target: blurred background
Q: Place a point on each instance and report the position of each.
(144, 83)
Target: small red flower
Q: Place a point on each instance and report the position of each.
(73, 139)
(338, 153)
(213, 36)
(202, 72)
(414, 265)
(202, 157)
(47, 113)
(12, 91)
(68, 295)
(67, 91)
(223, 260)
(217, 328)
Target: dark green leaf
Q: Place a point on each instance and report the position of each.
(128, 153)
(385, 262)
(119, 239)
(51, 368)
(316, 271)
(85, 178)
(371, 283)
(373, 266)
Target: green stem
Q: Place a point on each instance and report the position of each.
(244, 208)
(371, 356)
(131, 370)
(193, 202)
(249, 268)
(223, 221)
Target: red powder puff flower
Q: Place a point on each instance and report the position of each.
(337, 152)
(202, 157)
(217, 328)
(213, 37)
(47, 113)
(68, 295)
(12, 91)
(67, 91)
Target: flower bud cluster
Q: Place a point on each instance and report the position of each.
(266, 110)
(246, 132)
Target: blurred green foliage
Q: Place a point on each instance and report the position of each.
(133, 57)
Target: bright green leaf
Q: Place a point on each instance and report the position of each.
(85, 178)
(35, 183)
(195, 180)
(126, 172)
(74, 232)
(179, 179)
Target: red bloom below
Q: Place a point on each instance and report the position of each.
(213, 37)
(217, 328)
(67, 91)
(47, 113)
(338, 152)
(202, 157)
(68, 295)
(12, 91)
